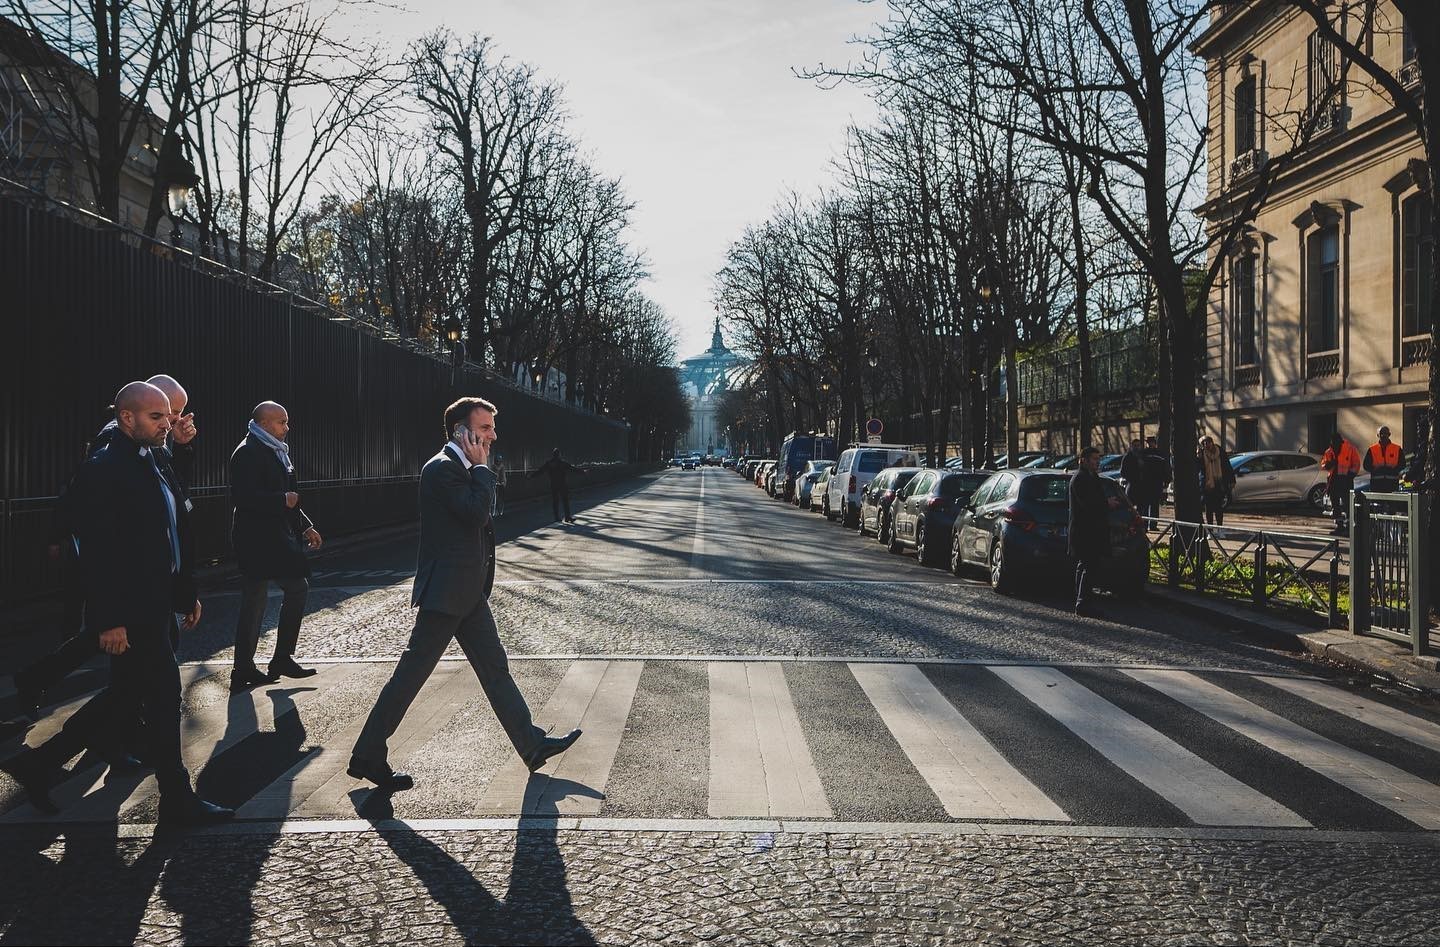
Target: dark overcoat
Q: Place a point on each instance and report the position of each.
(455, 565)
(265, 535)
(1089, 517)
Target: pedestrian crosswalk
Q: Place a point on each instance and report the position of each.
(1136, 746)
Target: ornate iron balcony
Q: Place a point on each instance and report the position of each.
(1247, 163)
(1322, 364)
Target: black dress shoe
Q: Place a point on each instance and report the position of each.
(193, 810)
(384, 778)
(244, 679)
(286, 667)
(125, 764)
(36, 777)
(550, 746)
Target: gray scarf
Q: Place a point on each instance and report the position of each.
(281, 449)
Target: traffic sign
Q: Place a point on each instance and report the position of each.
(874, 428)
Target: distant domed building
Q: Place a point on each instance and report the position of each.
(704, 378)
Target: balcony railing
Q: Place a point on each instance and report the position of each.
(1415, 350)
(1329, 118)
(1247, 376)
(1410, 73)
(1247, 163)
(1322, 364)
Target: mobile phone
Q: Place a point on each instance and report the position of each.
(458, 432)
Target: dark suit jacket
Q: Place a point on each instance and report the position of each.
(266, 536)
(1089, 516)
(455, 569)
(118, 512)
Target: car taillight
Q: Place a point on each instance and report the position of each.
(1016, 516)
(852, 484)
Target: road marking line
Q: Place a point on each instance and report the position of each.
(1403, 793)
(697, 550)
(1206, 794)
(292, 790)
(595, 696)
(1372, 713)
(967, 774)
(760, 763)
(56, 718)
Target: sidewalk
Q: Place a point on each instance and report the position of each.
(1372, 655)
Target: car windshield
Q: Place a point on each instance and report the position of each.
(958, 486)
(1045, 489)
(872, 461)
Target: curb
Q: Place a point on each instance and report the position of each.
(1378, 656)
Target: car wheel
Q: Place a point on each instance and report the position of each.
(957, 561)
(894, 545)
(922, 549)
(883, 533)
(1316, 497)
(825, 507)
(1000, 574)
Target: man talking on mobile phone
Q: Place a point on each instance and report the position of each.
(454, 574)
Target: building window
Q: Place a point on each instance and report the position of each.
(1322, 316)
(1245, 116)
(1322, 89)
(1417, 274)
(1247, 434)
(1322, 427)
(1407, 41)
(1245, 329)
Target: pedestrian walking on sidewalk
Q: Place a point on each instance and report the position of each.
(559, 469)
(1217, 479)
(270, 533)
(1385, 461)
(1089, 527)
(453, 578)
(1341, 462)
(133, 526)
(176, 460)
(1158, 474)
(502, 480)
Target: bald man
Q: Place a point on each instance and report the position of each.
(270, 533)
(176, 461)
(131, 525)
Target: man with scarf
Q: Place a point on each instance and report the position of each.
(1217, 479)
(269, 532)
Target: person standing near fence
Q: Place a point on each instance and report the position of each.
(454, 575)
(1132, 471)
(1158, 474)
(559, 469)
(1385, 461)
(502, 479)
(1341, 462)
(270, 533)
(1217, 479)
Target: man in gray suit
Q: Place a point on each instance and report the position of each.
(453, 579)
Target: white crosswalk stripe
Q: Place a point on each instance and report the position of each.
(758, 759)
(1404, 793)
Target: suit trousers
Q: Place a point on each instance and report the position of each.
(480, 640)
(253, 597)
(560, 494)
(144, 683)
(1085, 571)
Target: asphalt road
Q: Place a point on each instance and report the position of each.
(790, 734)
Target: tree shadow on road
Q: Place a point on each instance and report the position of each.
(536, 907)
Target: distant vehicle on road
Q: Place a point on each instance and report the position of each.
(795, 452)
(856, 468)
(1015, 526)
(689, 463)
(805, 483)
(876, 498)
(923, 514)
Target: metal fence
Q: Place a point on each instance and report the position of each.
(1388, 579)
(1266, 568)
(86, 309)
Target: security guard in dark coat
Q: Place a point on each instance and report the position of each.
(1089, 527)
(133, 529)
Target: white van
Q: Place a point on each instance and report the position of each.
(856, 468)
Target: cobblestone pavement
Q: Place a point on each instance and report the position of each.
(541, 886)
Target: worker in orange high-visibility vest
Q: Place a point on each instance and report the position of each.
(1342, 461)
(1384, 460)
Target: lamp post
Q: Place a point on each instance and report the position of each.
(453, 331)
(825, 406)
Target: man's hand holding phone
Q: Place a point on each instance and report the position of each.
(476, 451)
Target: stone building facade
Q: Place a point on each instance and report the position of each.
(1320, 319)
(703, 379)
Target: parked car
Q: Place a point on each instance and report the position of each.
(923, 514)
(796, 451)
(728, 463)
(762, 473)
(771, 482)
(877, 496)
(1015, 525)
(819, 496)
(857, 467)
(805, 484)
(1274, 476)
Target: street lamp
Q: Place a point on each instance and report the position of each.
(179, 177)
(453, 330)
